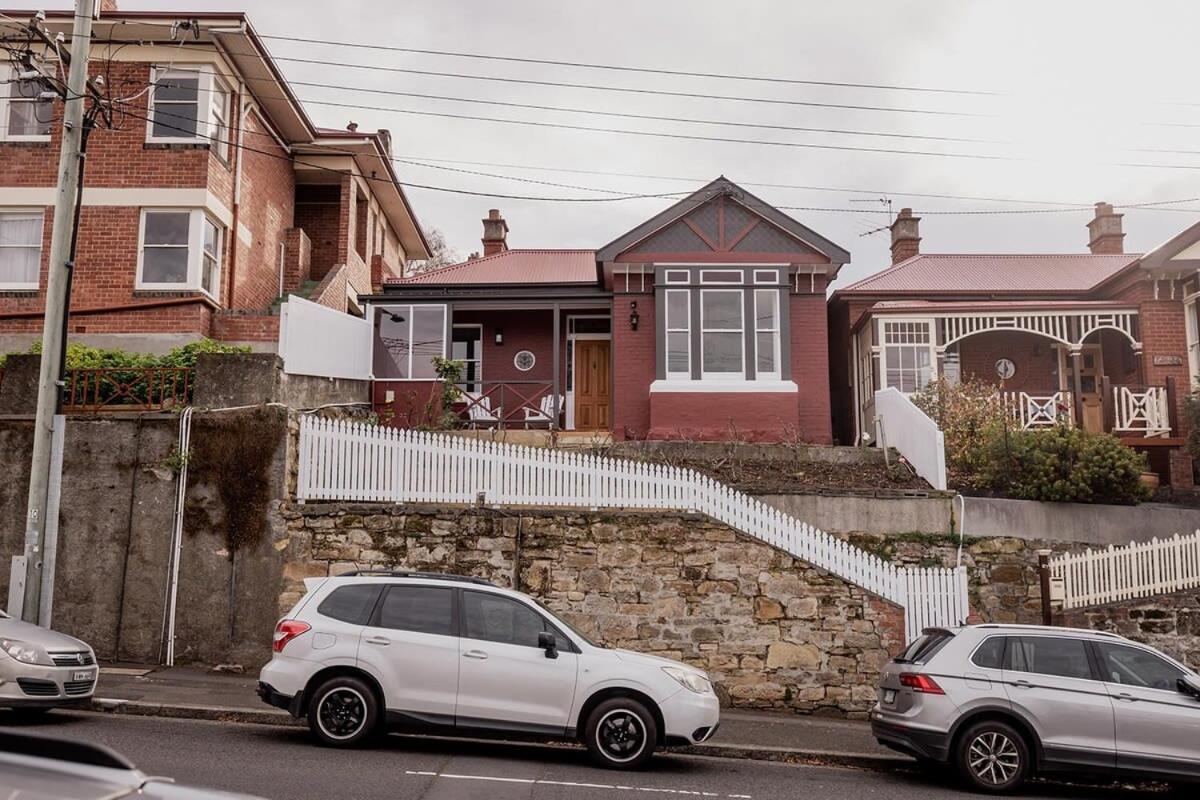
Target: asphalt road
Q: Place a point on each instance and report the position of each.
(281, 764)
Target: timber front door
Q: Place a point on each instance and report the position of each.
(593, 393)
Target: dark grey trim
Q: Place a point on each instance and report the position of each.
(749, 336)
(468, 725)
(1068, 759)
(1161, 255)
(785, 336)
(660, 331)
(406, 294)
(419, 721)
(722, 185)
(696, 331)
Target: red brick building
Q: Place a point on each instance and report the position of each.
(1104, 339)
(212, 195)
(708, 321)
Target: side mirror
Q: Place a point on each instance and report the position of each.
(547, 642)
(1190, 685)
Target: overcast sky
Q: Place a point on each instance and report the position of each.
(1082, 86)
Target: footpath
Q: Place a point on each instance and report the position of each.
(190, 693)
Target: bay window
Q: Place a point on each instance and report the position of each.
(721, 330)
(908, 355)
(180, 251)
(407, 340)
(1191, 324)
(26, 115)
(189, 105)
(20, 249)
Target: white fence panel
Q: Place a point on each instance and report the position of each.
(344, 461)
(315, 340)
(1138, 569)
(902, 425)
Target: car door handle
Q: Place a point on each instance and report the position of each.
(1127, 697)
(479, 654)
(379, 640)
(1023, 684)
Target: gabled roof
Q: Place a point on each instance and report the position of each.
(993, 273)
(1181, 251)
(513, 267)
(722, 185)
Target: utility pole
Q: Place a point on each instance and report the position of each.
(70, 164)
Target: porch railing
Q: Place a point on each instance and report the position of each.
(509, 404)
(117, 389)
(1141, 410)
(1039, 409)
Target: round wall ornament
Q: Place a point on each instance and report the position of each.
(1005, 368)
(524, 360)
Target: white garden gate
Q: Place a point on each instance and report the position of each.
(340, 460)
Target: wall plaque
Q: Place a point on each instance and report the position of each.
(1168, 361)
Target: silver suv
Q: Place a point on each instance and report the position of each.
(1002, 702)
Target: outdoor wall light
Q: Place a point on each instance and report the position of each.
(633, 316)
(499, 336)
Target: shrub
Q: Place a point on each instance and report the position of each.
(1065, 465)
(1191, 409)
(970, 416)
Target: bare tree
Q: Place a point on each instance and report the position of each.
(440, 253)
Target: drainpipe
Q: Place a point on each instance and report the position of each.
(243, 107)
(185, 438)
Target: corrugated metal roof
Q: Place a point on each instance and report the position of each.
(995, 273)
(513, 267)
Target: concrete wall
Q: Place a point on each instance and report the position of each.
(1077, 522)
(230, 380)
(853, 514)
(1170, 623)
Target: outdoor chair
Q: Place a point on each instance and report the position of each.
(545, 410)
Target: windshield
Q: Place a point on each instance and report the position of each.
(564, 623)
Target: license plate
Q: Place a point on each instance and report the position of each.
(889, 695)
(86, 675)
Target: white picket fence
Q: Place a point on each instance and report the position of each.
(1139, 569)
(347, 461)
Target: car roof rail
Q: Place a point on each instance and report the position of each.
(431, 576)
(58, 749)
(1046, 628)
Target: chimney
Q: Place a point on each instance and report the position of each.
(906, 237)
(1105, 234)
(108, 5)
(495, 233)
(385, 136)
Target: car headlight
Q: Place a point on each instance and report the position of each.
(689, 680)
(25, 652)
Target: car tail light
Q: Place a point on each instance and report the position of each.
(922, 684)
(285, 631)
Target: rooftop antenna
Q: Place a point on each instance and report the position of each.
(884, 201)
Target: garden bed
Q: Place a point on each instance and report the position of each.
(779, 476)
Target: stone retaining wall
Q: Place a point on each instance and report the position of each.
(1170, 623)
(772, 631)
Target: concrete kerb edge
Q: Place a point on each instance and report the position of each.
(249, 716)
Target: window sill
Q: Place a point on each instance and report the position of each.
(36, 144)
(738, 387)
(21, 291)
(175, 146)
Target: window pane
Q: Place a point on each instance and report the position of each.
(208, 273)
(677, 310)
(722, 310)
(1048, 655)
(174, 86)
(429, 334)
(165, 265)
(499, 619)
(677, 352)
(990, 653)
(766, 310)
(723, 352)
(350, 603)
(424, 609)
(29, 118)
(167, 228)
(21, 229)
(391, 342)
(1131, 666)
(19, 264)
(212, 236)
(765, 352)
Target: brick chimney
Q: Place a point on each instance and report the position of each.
(108, 5)
(906, 236)
(1105, 233)
(495, 233)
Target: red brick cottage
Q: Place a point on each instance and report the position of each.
(708, 321)
(213, 195)
(1106, 339)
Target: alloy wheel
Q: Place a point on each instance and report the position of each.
(621, 736)
(342, 713)
(993, 758)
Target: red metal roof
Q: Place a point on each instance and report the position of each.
(994, 273)
(513, 267)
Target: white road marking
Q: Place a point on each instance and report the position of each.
(576, 784)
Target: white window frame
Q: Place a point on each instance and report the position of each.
(770, 276)
(708, 276)
(1192, 327)
(740, 374)
(677, 276)
(406, 310)
(777, 356)
(195, 248)
(890, 350)
(40, 214)
(210, 91)
(8, 74)
(668, 330)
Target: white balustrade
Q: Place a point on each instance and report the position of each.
(1145, 412)
(1043, 410)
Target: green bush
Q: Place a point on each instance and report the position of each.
(1065, 465)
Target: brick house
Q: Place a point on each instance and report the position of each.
(212, 195)
(1105, 339)
(707, 321)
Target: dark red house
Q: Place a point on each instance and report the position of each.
(707, 321)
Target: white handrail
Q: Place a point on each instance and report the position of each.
(340, 460)
(900, 424)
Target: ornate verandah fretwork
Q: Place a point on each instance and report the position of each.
(1071, 328)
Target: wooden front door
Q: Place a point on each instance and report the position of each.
(593, 392)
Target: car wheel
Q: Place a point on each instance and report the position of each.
(621, 734)
(993, 757)
(344, 712)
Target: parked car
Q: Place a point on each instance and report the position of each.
(440, 653)
(49, 768)
(41, 669)
(1004, 702)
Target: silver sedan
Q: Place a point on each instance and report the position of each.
(41, 669)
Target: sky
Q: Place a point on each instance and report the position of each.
(1063, 100)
